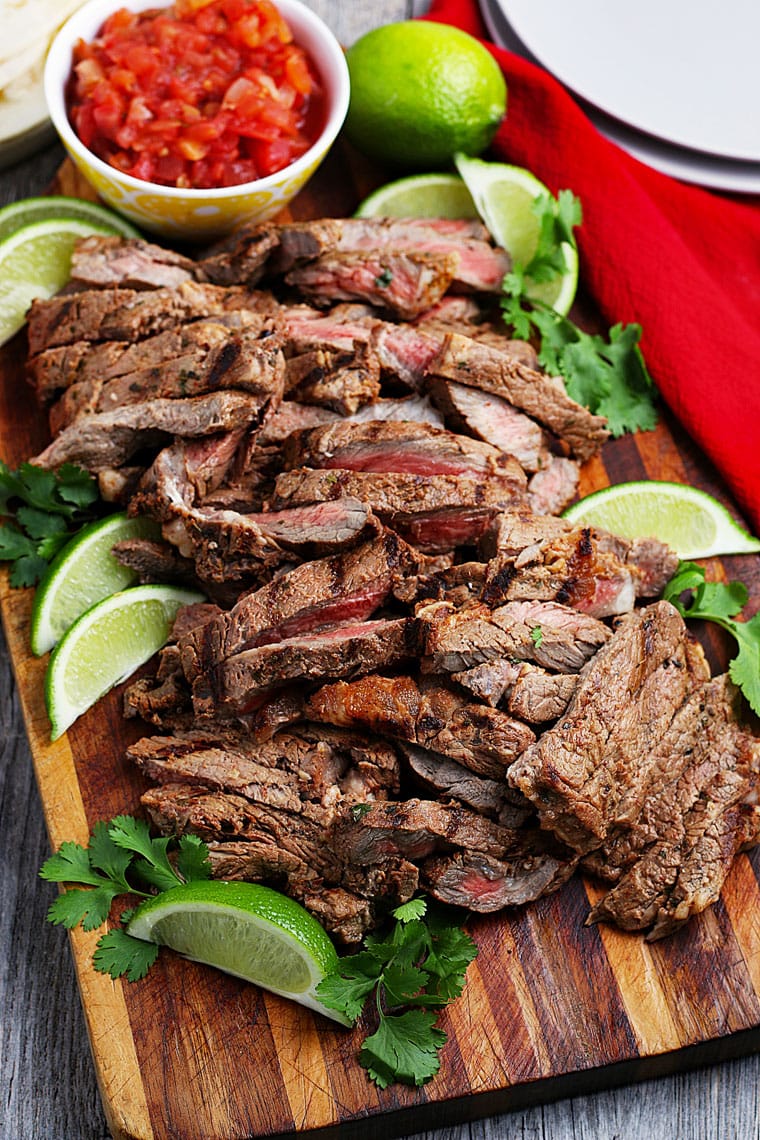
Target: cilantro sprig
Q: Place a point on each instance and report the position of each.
(696, 598)
(41, 509)
(609, 377)
(121, 858)
(417, 968)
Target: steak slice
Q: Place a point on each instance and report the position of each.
(226, 544)
(306, 764)
(552, 488)
(119, 314)
(212, 358)
(450, 780)
(478, 365)
(416, 828)
(427, 714)
(542, 557)
(485, 884)
(554, 636)
(435, 512)
(340, 380)
(234, 685)
(526, 691)
(487, 416)
(593, 767)
(296, 842)
(379, 446)
(293, 416)
(100, 262)
(108, 439)
(405, 283)
(346, 587)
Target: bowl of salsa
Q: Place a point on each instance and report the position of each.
(195, 116)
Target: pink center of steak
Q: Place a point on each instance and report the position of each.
(354, 609)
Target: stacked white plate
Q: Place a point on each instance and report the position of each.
(674, 82)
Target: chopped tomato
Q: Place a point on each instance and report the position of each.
(205, 94)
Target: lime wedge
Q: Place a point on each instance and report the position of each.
(35, 261)
(82, 573)
(105, 646)
(504, 196)
(690, 521)
(56, 206)
(244, 929)
(420, 196)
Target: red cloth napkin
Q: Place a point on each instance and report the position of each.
(681, 261)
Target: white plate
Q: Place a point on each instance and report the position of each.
(685, 71)
(679, 162)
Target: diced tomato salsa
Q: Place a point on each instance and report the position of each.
(204, 94)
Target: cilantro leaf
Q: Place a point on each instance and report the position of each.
(133, 835)
(118, 953)
(43, 509)
(404, 1048)
(720, 602)
(192, 859)
(90, 907)
(609, 377)
(116, 853)
(419, 963)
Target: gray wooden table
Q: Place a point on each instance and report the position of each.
(47, 1082)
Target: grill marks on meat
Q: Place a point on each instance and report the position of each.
(122, 314)
(414, 449)
(477, 365)
(482, 739)
(204, 357)
(554, 636)
(109, 439)
(234, 685)
(309, 597)
(435, 512)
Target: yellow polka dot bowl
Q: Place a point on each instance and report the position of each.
(185, 214)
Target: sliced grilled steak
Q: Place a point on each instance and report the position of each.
(315, 595)
(241, 258)
(550, 558)
(128, 315)
(488, 417)
(703, 746)
(554, 636)
(435, 512)
(378, 446)
(491, 798)
(477, 365)
(108, 439)
(596, 761)
(213, 359)
(226, 544)
(485, 884)
(403, 283)
(484, 740)
(292, 416)
(302, 765)
(297, 840)
(101, 262)
(234, 686)
(526, 691)
(555, 486)
(340, 380)
(406, 409)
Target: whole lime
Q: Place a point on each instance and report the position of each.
(420, 92)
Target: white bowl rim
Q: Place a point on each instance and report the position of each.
(84, 24)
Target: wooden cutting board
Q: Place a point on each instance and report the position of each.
(551, 1007)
